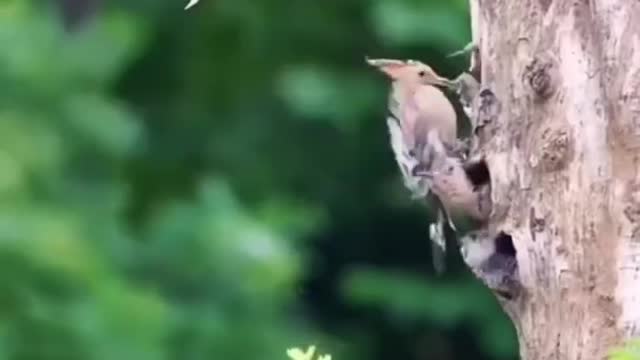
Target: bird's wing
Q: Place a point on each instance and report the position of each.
(403, 109)
(418, 186)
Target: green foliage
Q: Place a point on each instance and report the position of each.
(630, 351)
(417, 22)
(297, 354)
(162, 173)
(409, 300)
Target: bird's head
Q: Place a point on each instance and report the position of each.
(409, 71)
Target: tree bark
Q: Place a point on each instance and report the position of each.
(562, 144)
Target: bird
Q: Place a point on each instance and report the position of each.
(492, 258)
(459, 195)
(416, 101)
(415, 106)
(449, 180)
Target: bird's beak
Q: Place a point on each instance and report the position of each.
(444, 82)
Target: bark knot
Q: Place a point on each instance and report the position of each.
(540, 75)
(632, 212)
(555, 149)
(488, 110)
(536, 224)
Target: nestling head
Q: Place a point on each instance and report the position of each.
(409, 71)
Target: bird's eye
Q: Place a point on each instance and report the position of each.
(421, 73)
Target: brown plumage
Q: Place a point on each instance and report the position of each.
(450, 182)
(417, 109)
(416, 101)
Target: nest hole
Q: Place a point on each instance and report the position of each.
(504, 245)
(478, 172)
(505, 251)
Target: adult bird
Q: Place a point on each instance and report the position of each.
(417, 107)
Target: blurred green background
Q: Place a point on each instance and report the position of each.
(217, 184)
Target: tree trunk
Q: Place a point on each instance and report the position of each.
(562, 144)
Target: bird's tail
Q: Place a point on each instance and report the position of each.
(441, 234)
